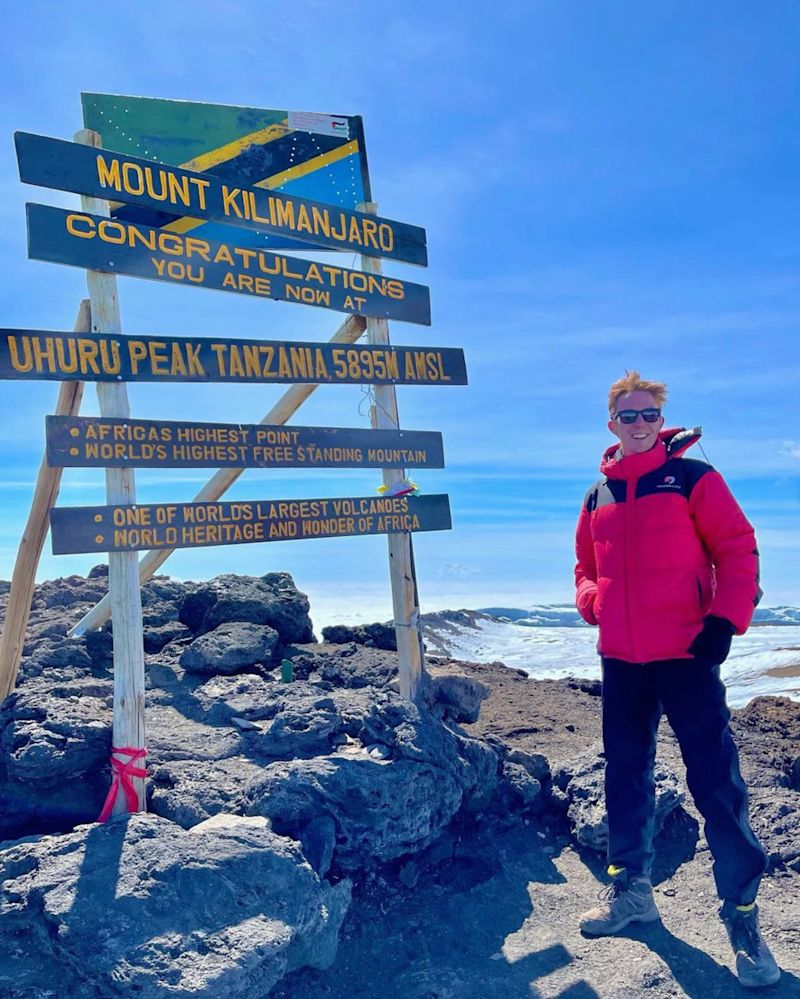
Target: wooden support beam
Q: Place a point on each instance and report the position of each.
(123, 576)
(222, 480)
(23, 579)
(405, 600)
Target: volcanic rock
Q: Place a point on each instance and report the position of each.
(141, 907)
(230, 648)
(580, 783)
(271, 599)
(374, 636)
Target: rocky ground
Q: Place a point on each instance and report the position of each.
(325, 838)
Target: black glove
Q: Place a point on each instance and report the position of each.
(713, 643)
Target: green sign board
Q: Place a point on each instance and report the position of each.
(318, 156)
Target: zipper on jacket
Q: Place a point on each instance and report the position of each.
(630, 500)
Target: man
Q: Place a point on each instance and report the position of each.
(667, 566)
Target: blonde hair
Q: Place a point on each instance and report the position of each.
(633, 382)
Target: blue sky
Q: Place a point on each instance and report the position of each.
(604, 186)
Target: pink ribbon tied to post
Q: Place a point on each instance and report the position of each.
(123, 771)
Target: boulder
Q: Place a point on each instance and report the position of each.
(775, 819)
(157, 636)
(382, 810)
(374, 636)
(230, 648)
(578, 787)
(69, 590)
(357, 666)
(460, 696)
(536, 764)
(390, 775)
(141, 907)
(518, 791)
(55, 741)
(272, 599)
(191, 791)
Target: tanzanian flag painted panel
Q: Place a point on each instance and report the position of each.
(316, 156)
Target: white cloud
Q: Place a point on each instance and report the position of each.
(459, 569)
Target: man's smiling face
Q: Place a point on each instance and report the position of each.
(640, 435)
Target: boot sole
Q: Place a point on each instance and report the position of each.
(606, 931)
(762, 984)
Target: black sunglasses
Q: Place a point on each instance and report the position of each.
(649, 415)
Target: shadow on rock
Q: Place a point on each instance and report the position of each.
(697, 973)
(675, 845)
(423, 940)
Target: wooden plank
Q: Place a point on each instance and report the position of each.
(23, 578)
(219, 483)
(90, 442)
(132, 527)
(174, 192)
(112, 246)
(38, 355)
(123, 577)
(405, 599)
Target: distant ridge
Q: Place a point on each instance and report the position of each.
(565, 616)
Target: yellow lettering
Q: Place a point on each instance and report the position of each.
(108, 175)
(179, 190)
(134, 169)
(178, 366)
(73, 226)
(355, 231)
(303, 221)
(197, 246)
(223, 255)
(229, 205)
(370, 228)
(313, 274)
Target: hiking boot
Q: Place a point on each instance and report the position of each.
(626, 900)
(755, 965)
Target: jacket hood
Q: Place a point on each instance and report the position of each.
(672, 443)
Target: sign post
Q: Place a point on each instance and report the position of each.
(228, 173)
(23, 578)
(128, 739)
(219, 483)
(405, 601)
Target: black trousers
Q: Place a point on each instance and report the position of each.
(693, 698)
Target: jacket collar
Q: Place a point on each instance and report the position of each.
(670, 444)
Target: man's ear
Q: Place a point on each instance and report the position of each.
(612, 426)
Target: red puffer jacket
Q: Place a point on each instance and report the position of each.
(661, 542)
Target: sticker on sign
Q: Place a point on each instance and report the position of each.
(322, 124)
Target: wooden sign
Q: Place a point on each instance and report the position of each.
(174, 192)
(195, 525)
(57, 356)
(109, 245)
(99, 443)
